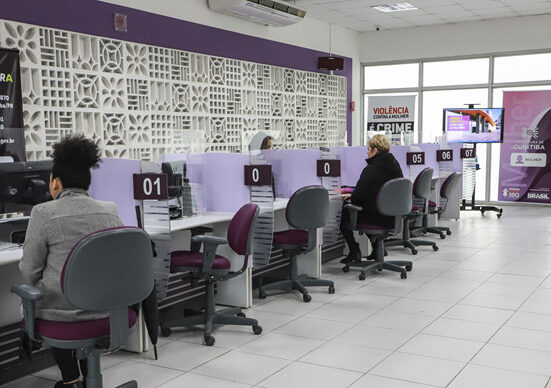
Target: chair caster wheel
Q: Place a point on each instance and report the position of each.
(362, 276)
(379, 269)
(500, 213)
(414, 251)
(482, 212)
(345, 269)
(241, 315)
(386, 253)
(442, 236)
(261, 295)
(209, 340)
(409, 267)
(165, 331)
(404, 275)
(449, 232)
(331, 289)
(257, 329)
(307, 298)
(434, 248)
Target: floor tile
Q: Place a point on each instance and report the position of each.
(287, 306)
(448, 348)
(300, 375)
(346, 356)
(530, 321)
(372, 381)
(341, 312)
(496, 301)
(511, 358)
(477, 376)
(417, 306)
(281, 345)
(418, 369)
(29, 382)
(375, 337)
(474, 331)
(539, 306)
(147, 376)
(488, 315)
(314, 328)
(523, 338)
(246, 368)
(195, 380)
(53, 373)
(398, 320)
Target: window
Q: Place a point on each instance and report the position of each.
(463, 72)
(519, 68)
(391, 76)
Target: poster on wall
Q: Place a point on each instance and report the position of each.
(392, 115)
(525, 168)
(12, 140)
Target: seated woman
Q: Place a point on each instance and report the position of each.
(381, 167)
(54, 228)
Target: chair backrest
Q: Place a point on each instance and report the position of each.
(241, 229)
(450, 185)
(395, 199)
(308, 208)
(422, 184)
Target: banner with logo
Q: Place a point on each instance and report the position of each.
(392, 115)
(525, 170)
(12, 140)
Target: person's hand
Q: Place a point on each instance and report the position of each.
(347, 197)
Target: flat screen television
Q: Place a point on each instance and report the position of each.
(474, 125)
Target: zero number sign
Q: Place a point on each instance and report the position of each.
(328, 168)
(258, 175)
(444, 155)
(150, 186)
(415, 158)
(467, 153)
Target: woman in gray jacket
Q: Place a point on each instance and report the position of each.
(54, 228)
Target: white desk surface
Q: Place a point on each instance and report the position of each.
(10, 256)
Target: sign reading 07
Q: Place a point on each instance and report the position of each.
(258, 175)
(328, 168)
(150, 186)
(467, 153)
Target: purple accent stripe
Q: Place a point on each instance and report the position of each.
(96, 18)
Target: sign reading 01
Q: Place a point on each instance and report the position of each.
(467, 153)
(415, 158)
(150, 186)
(328, 168)
(258, 175)
(444, 155)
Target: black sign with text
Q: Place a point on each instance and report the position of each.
(12, 140)
(329, 168)
(258, 175)
(415, 158)
(467, 153)
(444, 155)
(150, 186)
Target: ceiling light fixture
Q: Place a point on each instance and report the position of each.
(395, 7)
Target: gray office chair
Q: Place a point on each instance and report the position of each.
(107, 270)
(394, 199)
(421, 195)
(449, 186)
(212, 268)
(306, 211)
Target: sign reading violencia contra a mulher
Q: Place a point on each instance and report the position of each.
(392, 115)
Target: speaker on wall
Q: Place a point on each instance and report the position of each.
(330, 63)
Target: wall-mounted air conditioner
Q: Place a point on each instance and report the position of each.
(269, 12)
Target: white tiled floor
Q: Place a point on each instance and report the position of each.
(477, 313)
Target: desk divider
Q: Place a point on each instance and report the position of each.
(333, 185)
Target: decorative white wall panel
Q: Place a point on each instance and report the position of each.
(138, 101)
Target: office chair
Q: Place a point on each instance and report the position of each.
(394, 199)
(307, 210)
(421, 195)
(213, 268)
(107, 270)
(449, 186)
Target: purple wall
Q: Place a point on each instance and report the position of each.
(96, 18)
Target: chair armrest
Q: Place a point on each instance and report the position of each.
(29, 295)
(353, 211)
(210, 243)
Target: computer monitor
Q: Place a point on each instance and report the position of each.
(23, 185)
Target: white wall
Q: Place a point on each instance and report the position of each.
(448, 40)
(310, 33)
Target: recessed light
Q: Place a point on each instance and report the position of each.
(395, 7)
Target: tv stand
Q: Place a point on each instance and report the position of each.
(481, 208)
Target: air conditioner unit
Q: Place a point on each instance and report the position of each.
(269, 12)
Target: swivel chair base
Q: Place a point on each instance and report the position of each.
(211, 317)
(407, 242)
(296, 282)
(443, 231)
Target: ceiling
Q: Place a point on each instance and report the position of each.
(358, 14)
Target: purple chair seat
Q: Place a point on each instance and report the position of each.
(79, 330)
(432, 204)
(415, 208)
(371, 227)
(291, 237)
(195, 260)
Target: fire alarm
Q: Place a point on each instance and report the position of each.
(352, 106)
(120, 22)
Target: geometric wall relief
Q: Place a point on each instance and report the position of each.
(140, 101)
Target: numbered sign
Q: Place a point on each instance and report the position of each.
(258, 175)
(444, 155)
(467, 153)
(150, 186)
(330, 168)
(415, 158)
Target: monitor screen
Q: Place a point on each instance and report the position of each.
(23, 185)
(476, 125)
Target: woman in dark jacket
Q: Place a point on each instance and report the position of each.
(381, 167)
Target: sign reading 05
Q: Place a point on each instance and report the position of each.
(467, 153)
(258, 175)
(150, 186)
(329, 168)
(444, 155)
(415, 158)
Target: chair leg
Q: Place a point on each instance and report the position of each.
(424, 243)
(223, 319)
(311, 282)
(94, 378)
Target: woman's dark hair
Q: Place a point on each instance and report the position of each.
(74, 156)
(264, 145)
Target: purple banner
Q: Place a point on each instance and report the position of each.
(525, 173)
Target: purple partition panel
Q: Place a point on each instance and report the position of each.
(457, 161)
(400, 153)
(112, 181)
(224, 186)
(352, 163)
(275, 158)
(299, 169)
(430, 157)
